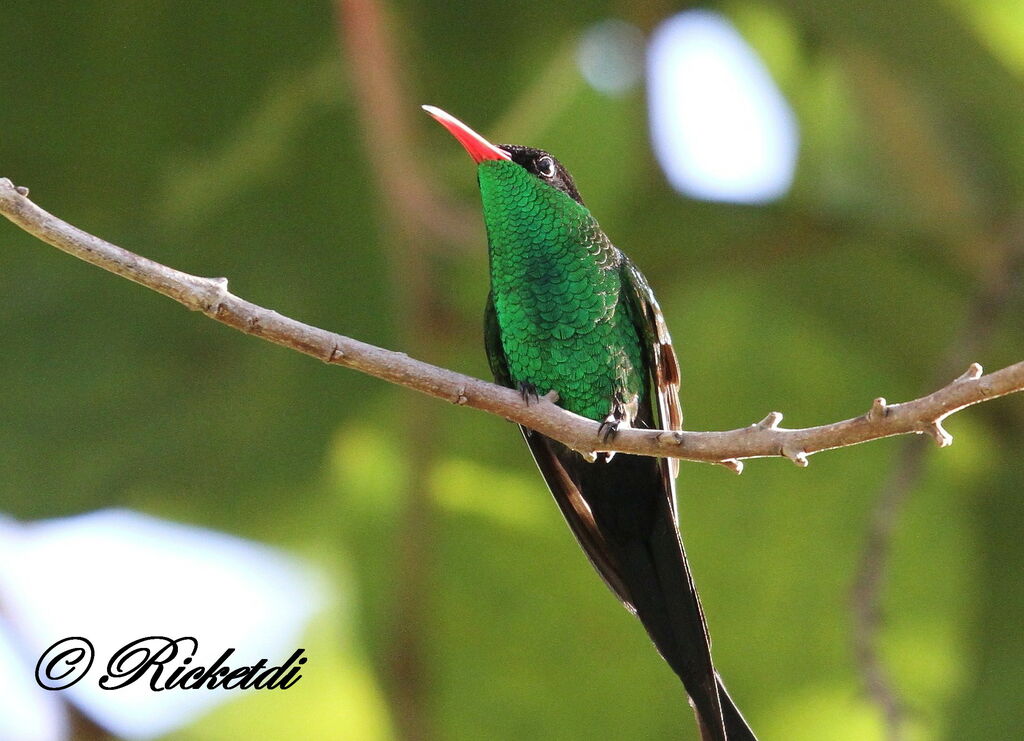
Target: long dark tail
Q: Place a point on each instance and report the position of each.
(735, 724)
(621, 512)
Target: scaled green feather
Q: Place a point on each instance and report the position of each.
(559, 308)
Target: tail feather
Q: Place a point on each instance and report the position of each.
(674, 621)
(621, 513)
(736, 727)
(667, 605)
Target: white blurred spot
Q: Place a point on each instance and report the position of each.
(115, 576)
(721, 129)
(611, 56)
(27, 711)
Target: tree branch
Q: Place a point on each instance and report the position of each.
(374, 66)
(997, 286)
(763, 439)
(418, 229)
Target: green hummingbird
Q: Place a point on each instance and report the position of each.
(568, 312)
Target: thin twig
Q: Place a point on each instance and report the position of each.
(869, 582)
(998, 286)
(417, 221)
(761, 440)
(388, 128)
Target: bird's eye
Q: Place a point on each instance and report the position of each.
(546, 167)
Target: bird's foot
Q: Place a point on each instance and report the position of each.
(529, 392)
(609, 427)
(617, 419)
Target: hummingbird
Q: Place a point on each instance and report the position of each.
(570, 313)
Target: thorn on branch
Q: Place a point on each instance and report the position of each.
(938, 433)
(335, 354)
(771, 422)
(589, 456)
(551, 396)
(799, 457)
(216, 289)
(671, 436)
(733, 464)
(879, 408)
(21, 190)
(973, 372)
(460, 397)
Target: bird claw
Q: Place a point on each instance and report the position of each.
(617, 417)
(609, 427)
(529, 392)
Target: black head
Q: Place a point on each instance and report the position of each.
(545, 167)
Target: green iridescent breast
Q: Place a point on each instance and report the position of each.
(556, 287)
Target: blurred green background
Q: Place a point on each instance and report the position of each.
(242, 141)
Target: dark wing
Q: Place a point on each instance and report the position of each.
(659, 354)
(550, 457)
(492, 344)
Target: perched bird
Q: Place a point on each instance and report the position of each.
(568, 312)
